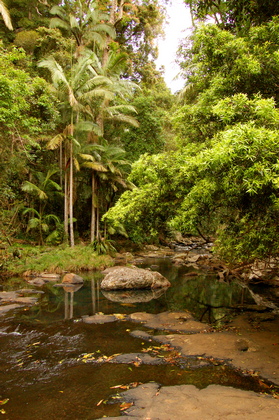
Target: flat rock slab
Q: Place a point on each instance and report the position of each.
(185, 402)
(99, 319)
(139, 358)
(15, 297)
(172, 321)
(245, 352)
(6, 308)
(8, 296)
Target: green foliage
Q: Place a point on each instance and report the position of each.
(148, 137)
(234, 15)
(218, 64)
(227, 189)
(103, 246)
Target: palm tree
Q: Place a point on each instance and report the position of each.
(113, 106)
(42, 190)
(5, 15)
(107, 164)
(75, 89)
(88, 24)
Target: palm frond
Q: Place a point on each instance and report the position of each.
(5, 15)
(55, 142)
(122, 108)
(55, 69)
(76, 164)
(95, 166)
(33, 223)
(31, 188)
(88, 126)
(124, 118)
(30, 210)
(58, 23)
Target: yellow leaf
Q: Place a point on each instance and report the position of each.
(120, 316)
(99, 403)
(85, 356)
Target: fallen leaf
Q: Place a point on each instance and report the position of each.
(119, 316)
(85, 356)
(264, 385)
(4, 401)
(124, 406)
(99, 403)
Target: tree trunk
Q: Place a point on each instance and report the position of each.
(71, 201)
(66, 201)
(93, 211)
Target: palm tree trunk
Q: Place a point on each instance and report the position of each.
(71, 201)
(93, 210)
(98, 223)
(66, 201)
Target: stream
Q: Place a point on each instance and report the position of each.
(55, 365)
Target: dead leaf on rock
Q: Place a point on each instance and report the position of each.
(125, 406)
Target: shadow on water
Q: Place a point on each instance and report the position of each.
(53, 365)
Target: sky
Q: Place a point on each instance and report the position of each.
(179, 26)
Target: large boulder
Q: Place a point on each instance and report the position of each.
(119, 278)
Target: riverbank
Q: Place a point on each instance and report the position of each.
(29, 260)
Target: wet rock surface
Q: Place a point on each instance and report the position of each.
(99, 319)
(176, 321)
(13, 300)
(245, 346)
(152, 402)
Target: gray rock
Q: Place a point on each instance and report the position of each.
(119, 278)
(139, 358)
(37, 281)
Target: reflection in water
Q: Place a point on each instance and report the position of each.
(134, 296)
(202, 294)
(69, 303)
(95, 293)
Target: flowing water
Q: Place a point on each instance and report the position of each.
(53, 365)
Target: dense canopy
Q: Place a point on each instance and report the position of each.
(94, 146)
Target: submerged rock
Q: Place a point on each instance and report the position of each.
(119, 278)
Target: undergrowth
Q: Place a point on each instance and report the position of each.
(17, 260)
